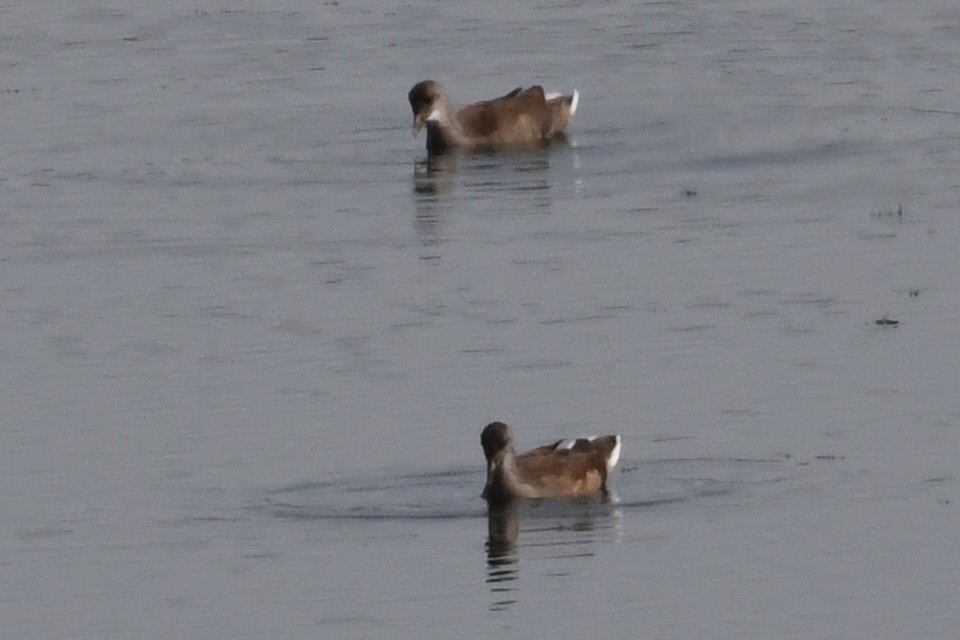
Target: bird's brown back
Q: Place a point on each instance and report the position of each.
(521, 115)
(564, 473)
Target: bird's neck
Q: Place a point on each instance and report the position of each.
(501, 477)
(445, 132)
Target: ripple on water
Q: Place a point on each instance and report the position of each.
(455, 493)
(440, 495)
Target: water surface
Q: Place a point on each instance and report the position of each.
(251, 337)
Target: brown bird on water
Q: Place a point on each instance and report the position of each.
(521, 118)
(573, 468)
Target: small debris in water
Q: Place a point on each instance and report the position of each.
(887, 322)
(898, 213)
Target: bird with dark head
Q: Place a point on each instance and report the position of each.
(523, 118)
(570, 468)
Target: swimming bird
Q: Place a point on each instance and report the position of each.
(521, 118)
(573, 468)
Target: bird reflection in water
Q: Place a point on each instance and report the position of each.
(567, 531)
(433, 183)
(503, 527)
(433, 176)
(436, 175)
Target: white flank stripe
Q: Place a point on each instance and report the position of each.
(614, 456)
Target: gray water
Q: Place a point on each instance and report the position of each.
(250, 338)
